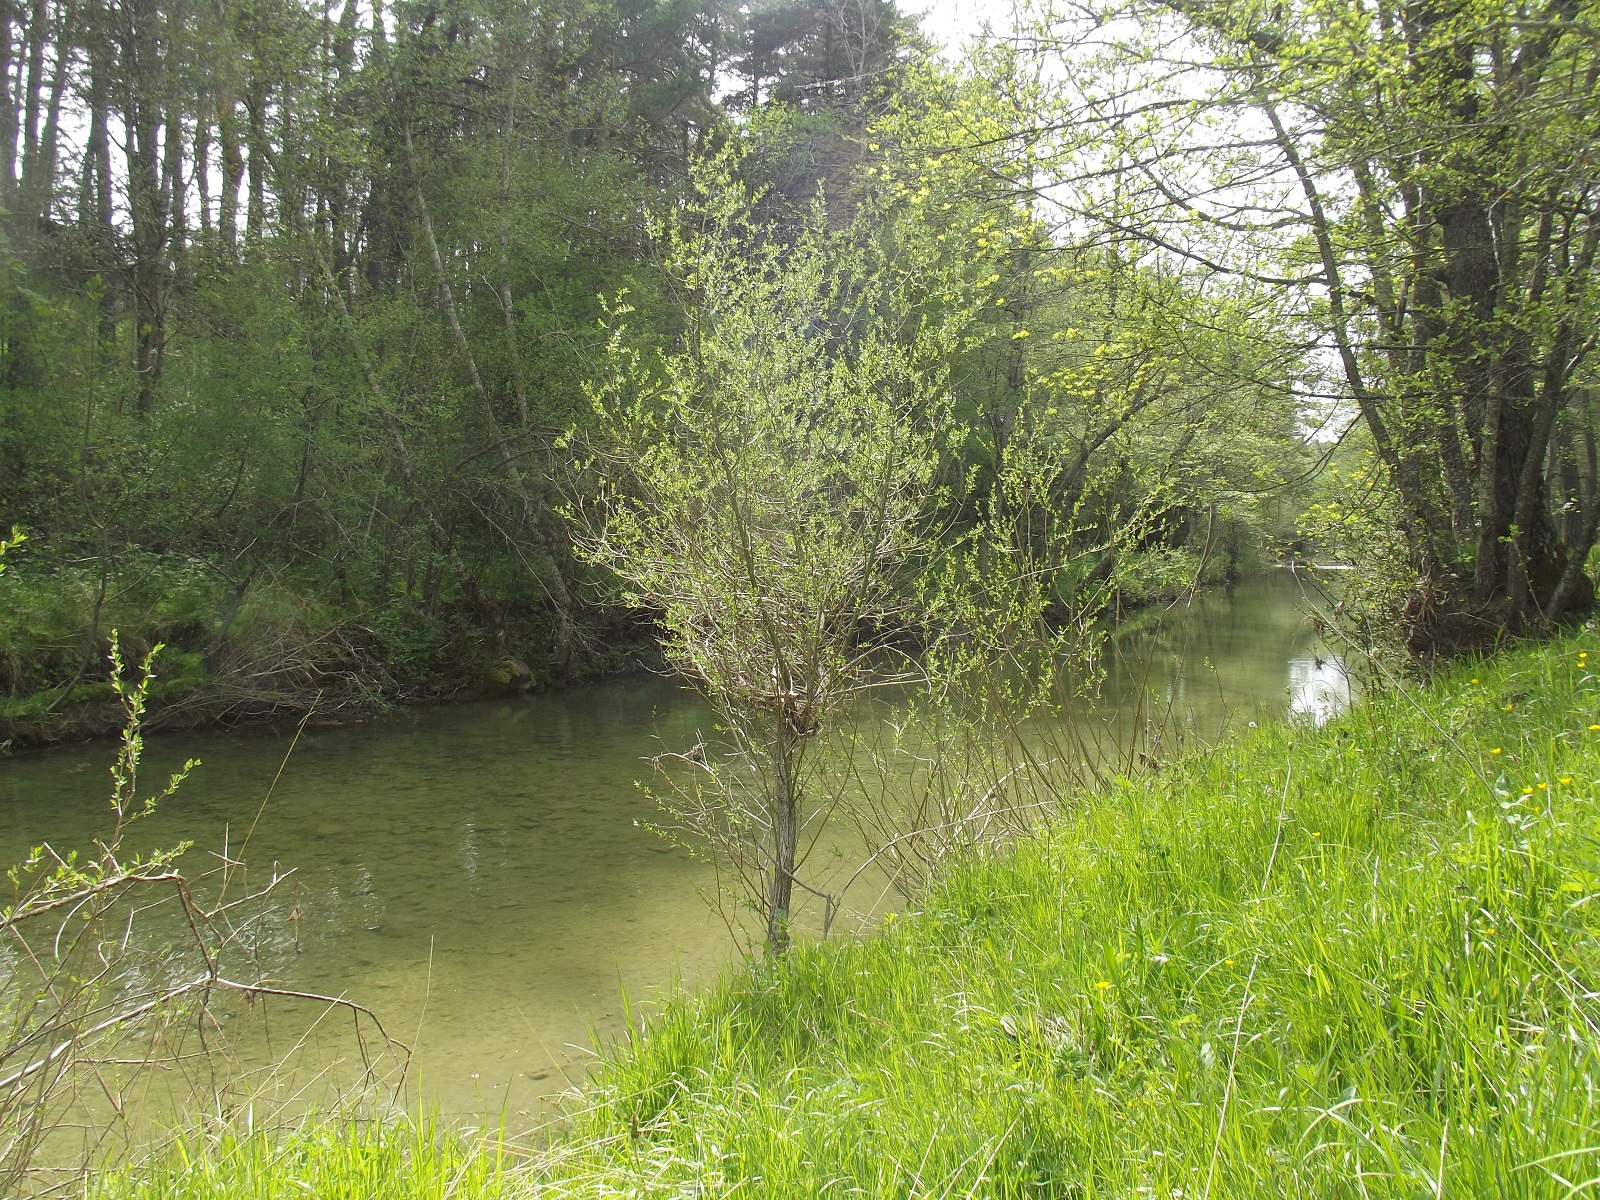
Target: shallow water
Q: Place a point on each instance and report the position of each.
(481, 875)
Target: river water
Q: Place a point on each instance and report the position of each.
(482, 877)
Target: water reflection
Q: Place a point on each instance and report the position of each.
(1319, 688)
(1187, 673)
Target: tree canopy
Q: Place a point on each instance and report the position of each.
(1414, 184)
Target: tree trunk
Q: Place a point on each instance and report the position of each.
(31, 198)
(42, 191)
(1573, 589)
(97, 152)
(146, 209)
(94, 205)
(231, 158)
(173, 186)
(785, 818)
(32, 85)
(202, 168)
(256, 212)
(10, 113)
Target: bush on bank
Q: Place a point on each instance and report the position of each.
(1359, 961)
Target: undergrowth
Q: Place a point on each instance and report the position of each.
(277, 645)
(1354, 961)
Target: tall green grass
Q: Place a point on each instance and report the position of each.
(1355, 961)
(335, 1160)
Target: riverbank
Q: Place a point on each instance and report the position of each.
(266, 648)
(1304, 958)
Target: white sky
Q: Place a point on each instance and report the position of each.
(952, 23)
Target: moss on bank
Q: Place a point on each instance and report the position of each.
(1358, 961)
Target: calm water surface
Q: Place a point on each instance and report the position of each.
(481, 877)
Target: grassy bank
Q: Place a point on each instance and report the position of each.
(1359, 961)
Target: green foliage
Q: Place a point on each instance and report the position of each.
(339, 384)
(1351, 519)
(1148, 403)
(765, 484)
(412, 638)
(48, 617)
(190, 394)
(338, 1160)
(16, 539)
(784, 458)
(1402, 191)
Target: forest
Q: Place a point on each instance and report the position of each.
(305, 308)
(305, 311)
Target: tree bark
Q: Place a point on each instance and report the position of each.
(173, 186)
(785, 817)
(42, 190)
(231, 158)
(94, 205)
(33, 84)
(256, 210)
(10, 112)
(141, 81)
(202, 166)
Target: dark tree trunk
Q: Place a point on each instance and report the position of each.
(173, 186)
(256, 211)
(9, 106)
(202, 167)
(231, 157)
(94, 204)
(785, 817)
(32, 84)
(42, 188)
(141, 79)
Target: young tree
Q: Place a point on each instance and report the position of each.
(764, 485)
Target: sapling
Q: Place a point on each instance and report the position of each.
(764, 485)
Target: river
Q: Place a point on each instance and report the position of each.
(482, 877)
